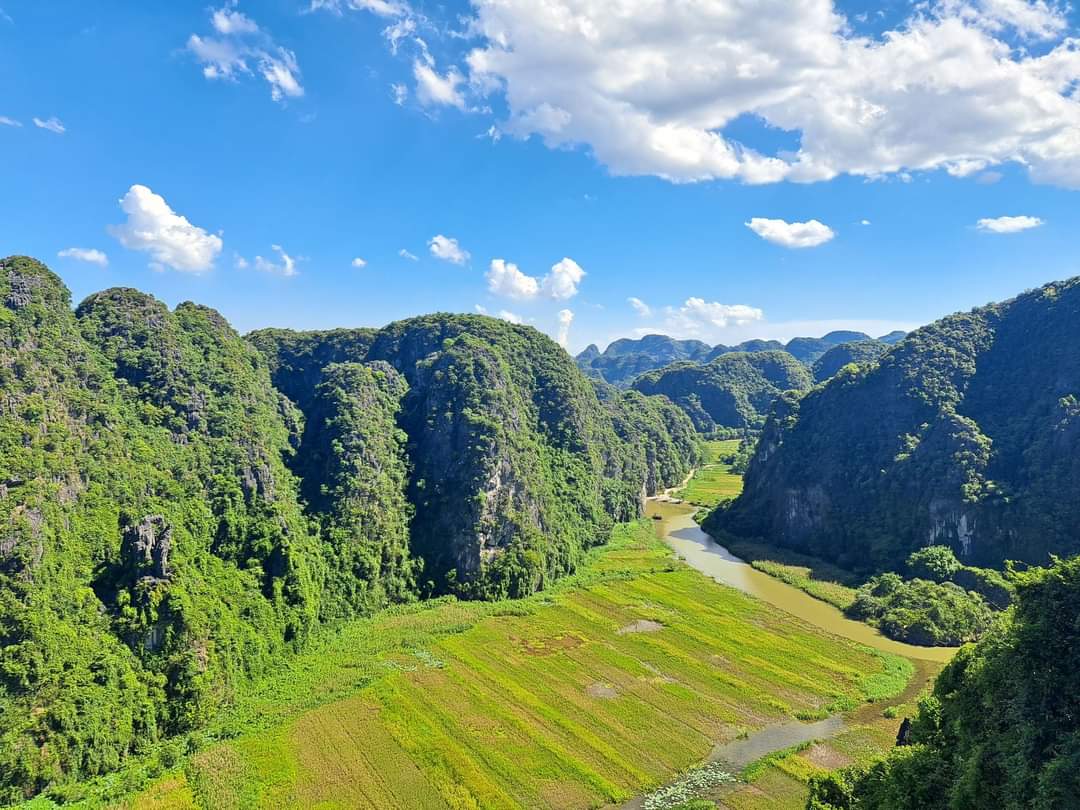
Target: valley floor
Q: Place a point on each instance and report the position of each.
(608, 685)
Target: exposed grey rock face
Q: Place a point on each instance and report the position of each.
(145, 548)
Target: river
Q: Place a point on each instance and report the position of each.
(677, 528)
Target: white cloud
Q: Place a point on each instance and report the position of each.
(152, 226)
(89, 255)
(384, 8)
(505, 279)
(359, 263)
(560, 284)
(481, 309)
(510, 317)
(412, 257)
(52, 124)
(400, 94)
(640, 307)
(434, 89)
(864, 222)
(698, 317)
(9, 122)
(239, 262)
(791, 234)
(1009, 224)
(566, 317)
(240, 47)
(447, 249)
(649, 87)
(285, 268)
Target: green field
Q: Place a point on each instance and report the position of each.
(713, 482)
(596, 691)
(820, 579)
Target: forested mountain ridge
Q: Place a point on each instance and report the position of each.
(735, 390)
(966, 433)
(171, 524)
(505, 438)
(626, 359)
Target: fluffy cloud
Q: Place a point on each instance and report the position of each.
(89, 255)
(52, 124)
(9, 122)
(152, 226)
(650, 87)
(700, 317)
(510, 317)
(286, 267)
(447, 249)
(791, 234)
(640, 307)
(505, 279)
(566, 317)
(433, 88)
(239, 47)
(1008, 224)
(359, 263)
(561, 284)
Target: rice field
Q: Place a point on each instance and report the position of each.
(597, 691)
(713, 482)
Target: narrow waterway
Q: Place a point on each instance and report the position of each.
(677, 528)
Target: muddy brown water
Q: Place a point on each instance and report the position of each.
(677, 528)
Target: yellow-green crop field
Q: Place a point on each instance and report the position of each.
(714, 482)
(607, 685)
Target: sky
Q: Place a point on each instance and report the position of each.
(716, 169)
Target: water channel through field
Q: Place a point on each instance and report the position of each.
(677, 528)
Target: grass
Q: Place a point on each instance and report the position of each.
(713, 482)
(820, 579)
(548, 702)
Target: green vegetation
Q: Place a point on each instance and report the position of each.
(999, 729)
(612, 682)
(820, 579)
(735, 390)
(920, 612)
(965, 434)
(714, 481)
(182, 509)
(859, 352)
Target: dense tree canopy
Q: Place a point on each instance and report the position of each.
(1000, 728)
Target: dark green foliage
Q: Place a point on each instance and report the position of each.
(921, 612)
(1000, 728)
(517, 465)
(355, 472)
(152, 551)
(966, 434)
(733, 391)
(158, 549)
(936, 563)
(859, 352)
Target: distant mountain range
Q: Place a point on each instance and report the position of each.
(626, 359)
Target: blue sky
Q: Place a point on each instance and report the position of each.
(641, 148)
